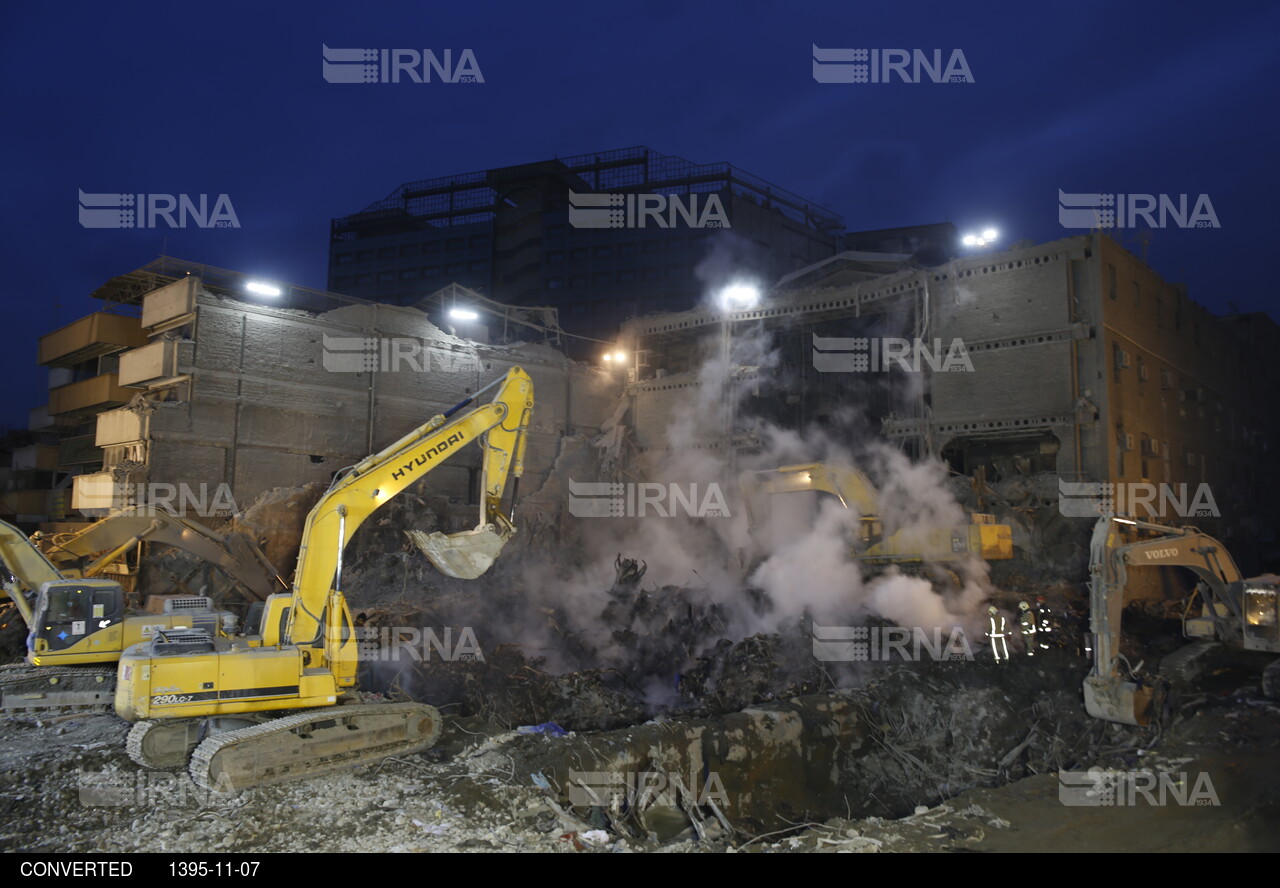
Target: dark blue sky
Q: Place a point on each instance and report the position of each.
(229, 98)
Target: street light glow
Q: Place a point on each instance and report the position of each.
(988, 237)
(463, 314)
(262, 289)
(739, 297)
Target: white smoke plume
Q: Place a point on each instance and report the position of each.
(801, 554)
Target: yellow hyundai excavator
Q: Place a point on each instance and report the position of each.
(982, 537)
(225, 704)
(1238, 612)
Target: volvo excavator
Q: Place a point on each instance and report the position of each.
(1240, 613)
(280, 706)
(982, 537)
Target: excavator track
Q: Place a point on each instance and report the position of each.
(1185, 664)
(46, 689)
(317, 741)
(163, 745)
(1271, 680)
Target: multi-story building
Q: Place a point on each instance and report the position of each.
(536, 234)
(1085, 364)
(217, 391)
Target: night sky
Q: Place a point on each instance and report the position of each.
(229, 98)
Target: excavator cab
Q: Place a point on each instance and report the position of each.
(68, 610)
(1261, 619)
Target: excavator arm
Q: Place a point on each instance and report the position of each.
(853, 488)
(1107, 694)
(28, 565)
(357, 492)
(109, 539)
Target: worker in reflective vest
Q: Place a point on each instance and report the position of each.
(997, 633)
(1044, 623)
(1027, 626)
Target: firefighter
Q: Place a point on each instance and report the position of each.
(1044, 623)
(997, 633)
(1027, 626)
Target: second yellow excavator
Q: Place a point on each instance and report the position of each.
(230, 706)
(981, 537)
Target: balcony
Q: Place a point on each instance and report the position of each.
(90, 337)
(99, 392)
(153, 362)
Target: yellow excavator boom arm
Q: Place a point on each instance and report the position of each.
(362, 489)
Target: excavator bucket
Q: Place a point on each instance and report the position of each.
(1117, 701)
(464, 555)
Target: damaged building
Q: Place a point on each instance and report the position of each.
(1070, 360)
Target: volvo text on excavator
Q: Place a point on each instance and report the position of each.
(1239, 613)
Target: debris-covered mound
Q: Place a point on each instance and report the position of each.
(13, 634)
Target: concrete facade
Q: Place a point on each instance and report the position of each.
(266, 397)
(1085, 364)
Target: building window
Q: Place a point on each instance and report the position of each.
(555, 283)
(454, 243)
(479, 240)
(601, 252)
(387, 253)
(409, 274)
(386, 277)
(410, 250)
(555, 256)
(346, 258)
(578, 255)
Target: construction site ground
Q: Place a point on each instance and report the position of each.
(66, 785)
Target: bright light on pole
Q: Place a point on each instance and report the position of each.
(739, 297)
(262, 289)
(463, 314)
(986, 238)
